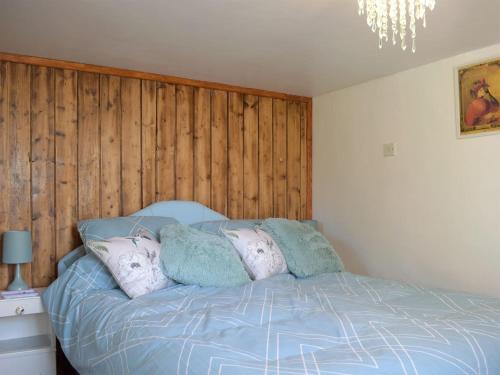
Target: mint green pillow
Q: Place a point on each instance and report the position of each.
(190, 256)
(307, 252)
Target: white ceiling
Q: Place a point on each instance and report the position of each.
(304, 47)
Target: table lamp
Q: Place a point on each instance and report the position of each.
(17, 250)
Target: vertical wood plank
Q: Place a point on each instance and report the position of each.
(88, 146)
(303, 161)
(4, 163)
(309, 149)
(293, 160)
(19, 156)
(110, 115)
(250, 157)
(265, 157)
(166, 113)
(235, 156)
(66, 155)
(219, 119)
(42, 175)
(202, 146)
(279, 157)
(184, 143)
(148, 116)
(131, 185)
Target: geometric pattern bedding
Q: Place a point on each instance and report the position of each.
(337, 323)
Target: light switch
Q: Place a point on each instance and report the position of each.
(389, 149)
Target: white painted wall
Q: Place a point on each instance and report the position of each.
(432, 213)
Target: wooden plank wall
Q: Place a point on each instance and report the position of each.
(81, 144)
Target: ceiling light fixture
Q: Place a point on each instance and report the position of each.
(380, 12)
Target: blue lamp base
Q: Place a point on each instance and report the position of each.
(18, 283)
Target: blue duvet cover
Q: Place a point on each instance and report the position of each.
(330, 324)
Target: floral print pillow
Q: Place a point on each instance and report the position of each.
(134, 262)
(260, 254)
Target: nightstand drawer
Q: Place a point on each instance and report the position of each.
(21, 306)
(37, 362)
(27, 343)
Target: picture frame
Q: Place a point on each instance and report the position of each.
(477, 97)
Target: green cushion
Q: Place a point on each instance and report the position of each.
(191, 256)
(126, 226)
(307, 252)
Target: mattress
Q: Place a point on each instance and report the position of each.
(337, 323)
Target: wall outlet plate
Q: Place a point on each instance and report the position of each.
(389, 149)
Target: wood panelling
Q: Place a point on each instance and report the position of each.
(279, 157)
(266, 207)
(308, 156)
(202, 146)
(304, 133)
(184, 143)
(250, 157)
(110, 109)
(4, 162)
(293, 160)
(85, 144)
(131, 146)
(165, 171)
(19, 189)
(148, 145)
(66, 153)
(42, 173)
(89, 169)
(219, 117)
(235, 156)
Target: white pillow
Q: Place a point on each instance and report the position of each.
(260, 254)
(134, 262)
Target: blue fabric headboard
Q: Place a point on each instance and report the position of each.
(186, 212)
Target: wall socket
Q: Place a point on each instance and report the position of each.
(389, 149)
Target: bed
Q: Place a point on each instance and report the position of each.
(336, 323)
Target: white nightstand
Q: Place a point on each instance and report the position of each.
(27, 344)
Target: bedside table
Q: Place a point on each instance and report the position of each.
(27, 344)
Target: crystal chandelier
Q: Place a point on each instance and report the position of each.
(380, 12)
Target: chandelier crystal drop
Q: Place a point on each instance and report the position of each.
(379, 13)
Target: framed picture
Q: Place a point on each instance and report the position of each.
(478, 99)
